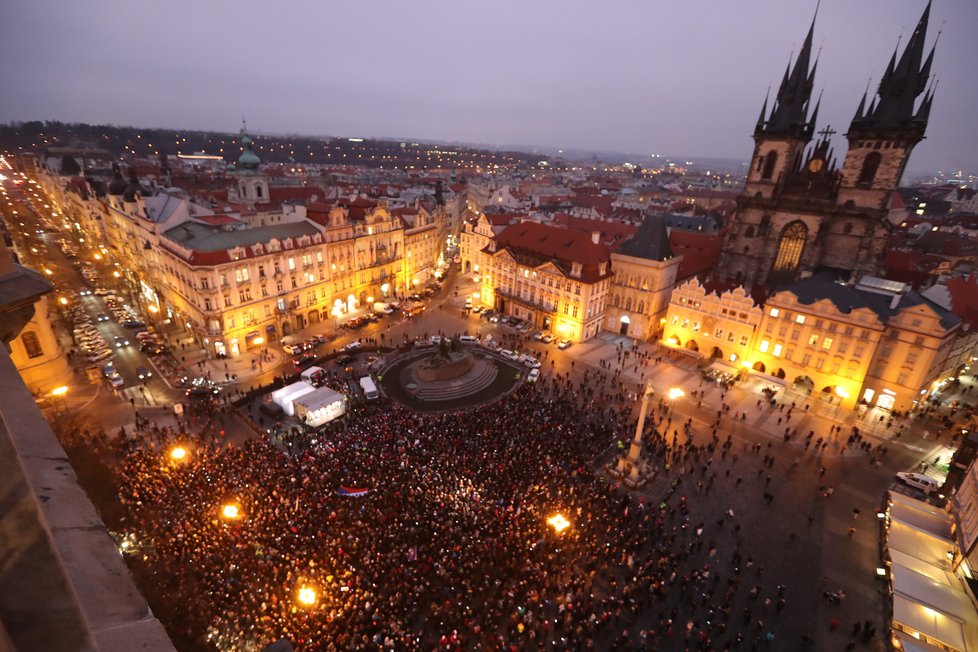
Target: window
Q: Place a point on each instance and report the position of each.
(835, 367)
(912, 357)
(870, 166)
(208, 305)
(858, 352)
(743, 340)
(843, 347)
(241, 275)
(769, 162)
(227, 300)
(696, 327)
(832, 327)
(827, 343)
(813, 340)
(848, 331)
(806, 359)
(919, 340)
(765, 345)
(774, 312)
(782, 331)
(819, 364)
(903, 378)
(789, 250)
(32, 345)
(718, 334)
(819, 323)
(291, 263)
(795, 334)
(730, 336)
(777, 350)
(800, 319)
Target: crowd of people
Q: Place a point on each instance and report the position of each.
(450, 547)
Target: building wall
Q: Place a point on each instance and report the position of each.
(39, 356)
(712, 325)
(817, 347)
(639, 296)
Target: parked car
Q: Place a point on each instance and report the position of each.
(563, 344)
(468, 339)
(533, 376)
(547, 338)
(143, 373)
(530, 361)
(353, 346)
(99, 355)
(102, 317)
(201, 392)
(509, 355)
(925, 483)
(344, 360)
(116, 380)
(134, 324)
(292, 349)
(152, 348)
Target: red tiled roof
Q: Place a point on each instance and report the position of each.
(551, 242)
(612, 232)
(700, 251)
(964, 298)
(217, 220)
(293, 193)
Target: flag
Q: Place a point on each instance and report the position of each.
(350, 492)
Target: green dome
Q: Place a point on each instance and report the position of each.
(248, 161)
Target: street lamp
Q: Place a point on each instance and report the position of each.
(675, 393)
(230, 511)
(307, 596)
(59, 391)
(558, 523)
(178, 453)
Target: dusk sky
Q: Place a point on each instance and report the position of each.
(641, 77)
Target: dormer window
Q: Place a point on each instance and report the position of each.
(576, 269)
(601, 268)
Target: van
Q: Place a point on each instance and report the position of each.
(925, 483)
(369, 388)
(468, 339)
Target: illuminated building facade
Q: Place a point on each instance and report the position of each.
(556, 279)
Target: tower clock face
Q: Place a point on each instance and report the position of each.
(815, 165)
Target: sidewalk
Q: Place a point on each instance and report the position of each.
(244, 367)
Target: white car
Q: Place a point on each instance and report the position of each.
(423, 343)
(509, 355)
(100, 355)
(292, 349)
(530, 361)
(353, 346)
(563, 344)
(925, 483)
(533, 376)
(435, 339)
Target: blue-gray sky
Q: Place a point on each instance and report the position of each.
(644, 76)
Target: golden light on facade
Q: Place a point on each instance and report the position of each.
(307, 596)
(258, 340)
(675, 393)
(59, 391)
(746, 364)
(98, 256)
(558, 523)
(178, 453)
(230, 511)
(116, 274)
(841, 392)
(63, 301)
(153, 309)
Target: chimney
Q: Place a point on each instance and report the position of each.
(596, 237)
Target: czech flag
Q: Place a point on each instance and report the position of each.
(350, 492)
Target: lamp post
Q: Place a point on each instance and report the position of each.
(558, 522)
(59, 393)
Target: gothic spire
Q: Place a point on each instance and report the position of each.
(905, 79)
(790, 113)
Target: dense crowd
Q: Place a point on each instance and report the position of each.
(450, 548)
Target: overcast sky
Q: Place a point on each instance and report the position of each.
(646, 76)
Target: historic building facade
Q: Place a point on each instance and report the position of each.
(556, 279)
(798, 213)
(645, 273)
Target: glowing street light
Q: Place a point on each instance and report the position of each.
(230, 511)
(675, 393)
(63, 301)
(558, 523)
(59, 391)
(178, 453)
(307, 596)
(153, 309)
(116, 274)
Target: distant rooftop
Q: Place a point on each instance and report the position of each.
(200, 237)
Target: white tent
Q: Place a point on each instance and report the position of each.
(307, 374)
(285, 397)
(320, 406)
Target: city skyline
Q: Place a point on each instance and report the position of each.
(501, 75)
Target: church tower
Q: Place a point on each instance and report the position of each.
(882, 136)
(781, 137)
(250, 185)
(799, 215)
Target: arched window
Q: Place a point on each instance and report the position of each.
(628, 303)
(769, 162)
(870, 165)
(641, 307)
(31, 344)
(789, 250)
(749, 233)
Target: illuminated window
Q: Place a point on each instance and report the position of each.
(32, 345)
(774, 312)
(800, 319)
(777, 350)
(765, 345)
(813, 340)
(827, 343)
(789, 251)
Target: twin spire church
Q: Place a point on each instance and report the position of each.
(800, 213)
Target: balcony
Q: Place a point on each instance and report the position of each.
(526, 302)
